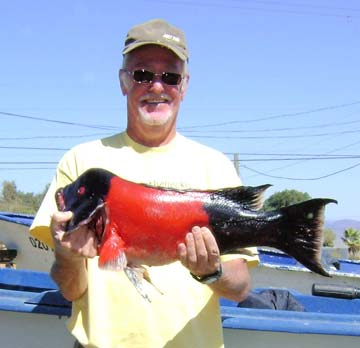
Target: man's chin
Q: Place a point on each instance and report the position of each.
(155, 119)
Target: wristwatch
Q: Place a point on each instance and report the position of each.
(210, 278)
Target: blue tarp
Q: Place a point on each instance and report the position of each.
(29, 291)
(22, 219)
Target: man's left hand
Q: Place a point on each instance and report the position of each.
(200, 252)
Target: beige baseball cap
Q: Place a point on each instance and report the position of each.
(157, 32)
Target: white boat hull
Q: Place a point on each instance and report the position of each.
(270, 339)
(28, 330)
(32, 254)
(300, 279)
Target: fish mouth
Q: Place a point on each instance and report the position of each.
(60, 201)
(95, 220)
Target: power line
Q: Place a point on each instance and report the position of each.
(327, 154)
(275, 136)
(26, 162)
(302, 179)
(252, 9)
(27, 168)
(106, 127)
(301, 5)
(55, 136)
(312, 156)
(283, 115)
(297, 159)
(33, 148)
(284, 154)
(57, 121)
(324, 125)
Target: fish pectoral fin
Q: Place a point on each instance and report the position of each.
(112, 254)
(136, 276)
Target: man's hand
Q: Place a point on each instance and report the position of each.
(71, 250)
(201, 256)
(80, 243)
(200, 252)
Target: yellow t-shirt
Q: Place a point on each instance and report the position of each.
(112, 314)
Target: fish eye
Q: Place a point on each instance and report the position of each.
(81, 191)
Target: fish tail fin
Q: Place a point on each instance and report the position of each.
(112, 253)
(303, 237)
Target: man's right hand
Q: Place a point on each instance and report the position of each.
(72, 249)
(79, 243)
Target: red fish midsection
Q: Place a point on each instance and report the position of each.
(152, 222)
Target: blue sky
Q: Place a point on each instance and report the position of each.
(275, 81)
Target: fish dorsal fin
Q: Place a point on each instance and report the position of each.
(250, 197)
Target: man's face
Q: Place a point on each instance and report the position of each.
(152, 107)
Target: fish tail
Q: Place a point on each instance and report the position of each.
(303, 232)
(112, 253)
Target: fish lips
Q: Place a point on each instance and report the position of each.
(85, 211)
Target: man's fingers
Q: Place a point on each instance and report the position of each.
(182, 254)
(212, 249)
(59, 219)
(201, 255)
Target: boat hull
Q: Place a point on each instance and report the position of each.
(277, 269)
(32, 254)
(29, 330)
(236, 337)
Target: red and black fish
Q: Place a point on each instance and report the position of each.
(147, 223)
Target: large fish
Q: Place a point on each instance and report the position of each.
(146, 223)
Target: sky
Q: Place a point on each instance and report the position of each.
(274, 82)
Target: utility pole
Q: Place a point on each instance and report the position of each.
(236, 163)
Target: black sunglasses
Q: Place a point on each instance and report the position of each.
(146, 76)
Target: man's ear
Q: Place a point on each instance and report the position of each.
(184, 86)
(124, 82)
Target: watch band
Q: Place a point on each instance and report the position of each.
(210, 278)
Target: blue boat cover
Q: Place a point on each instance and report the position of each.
(22, 219)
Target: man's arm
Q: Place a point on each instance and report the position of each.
(234, 284)
(71, 250)
(200, 254)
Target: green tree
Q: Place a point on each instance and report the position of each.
(8, 192)
(329, 238)
(352, 240)
(13, 200)
(285, 198)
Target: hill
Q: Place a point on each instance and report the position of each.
(339, 226)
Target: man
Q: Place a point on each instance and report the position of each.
(108, 311)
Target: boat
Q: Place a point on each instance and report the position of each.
(277, 269)
(327, 322)
(31, 253)
(33, 313)
(31, 304)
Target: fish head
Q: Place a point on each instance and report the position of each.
(85, 197)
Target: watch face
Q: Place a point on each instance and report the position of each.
(213, 278)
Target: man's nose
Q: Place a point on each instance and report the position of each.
(157, 85)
